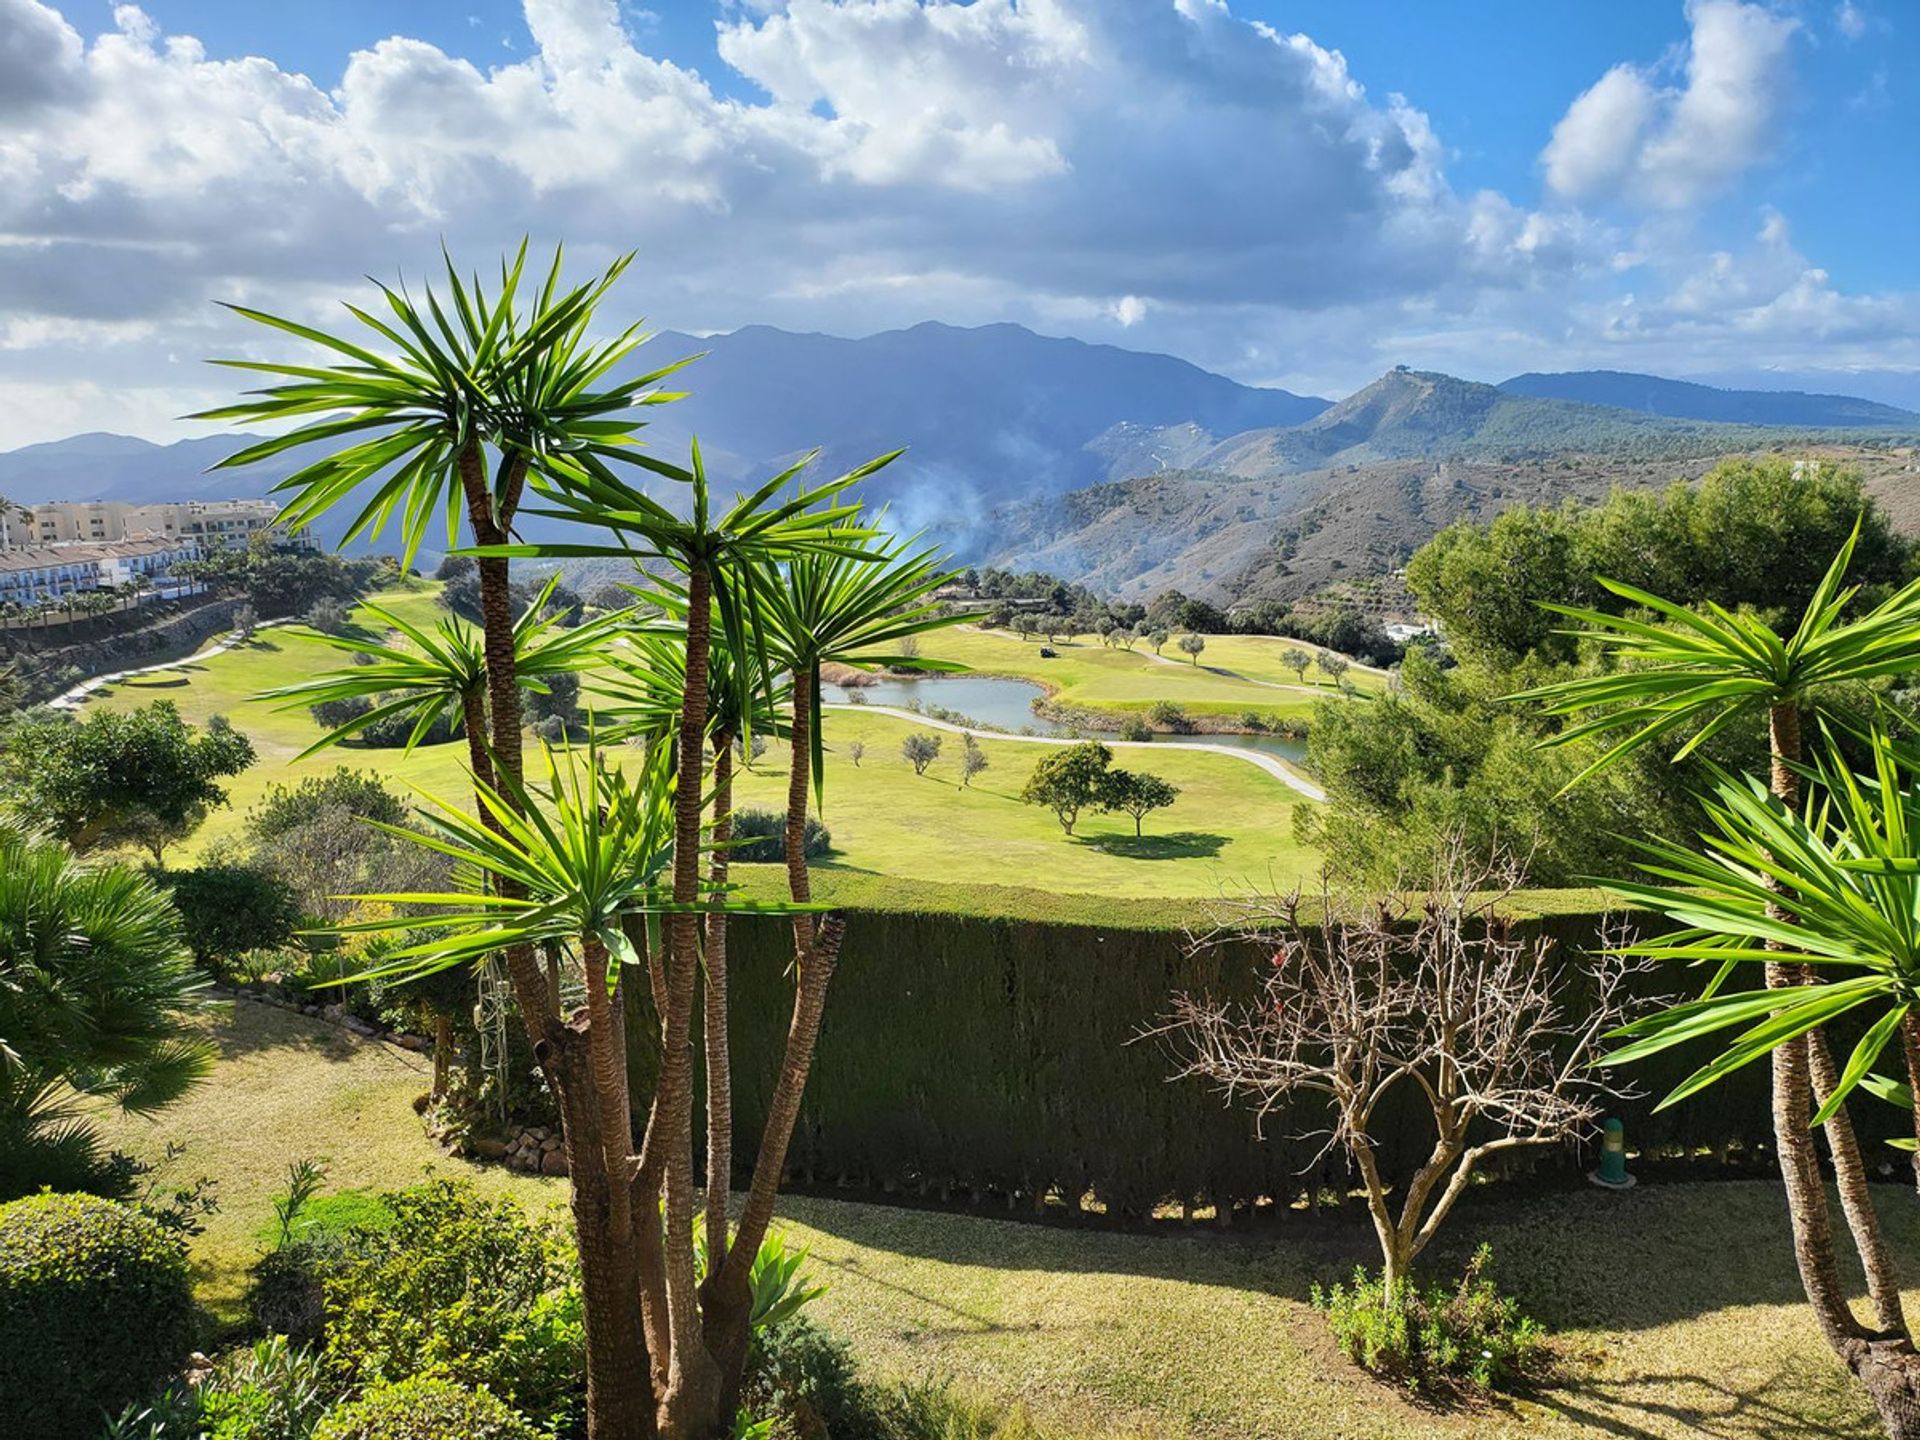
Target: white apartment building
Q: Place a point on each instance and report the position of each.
(33, 573)
(207, 522)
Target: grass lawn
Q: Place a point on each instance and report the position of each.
(1676, 1304)
(1087, 673)
(1232, 820)
(1257, 657)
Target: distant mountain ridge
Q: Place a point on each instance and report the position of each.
(1686, 400)
(1024, 448)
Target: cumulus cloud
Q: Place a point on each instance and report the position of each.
(1162, 168)
(1674, 146)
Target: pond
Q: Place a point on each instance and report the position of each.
(999, 703)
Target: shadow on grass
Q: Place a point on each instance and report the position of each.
(1577, 1259)
(251, 1028)
(166, 681)
(1601, 1406)
(1182, 845)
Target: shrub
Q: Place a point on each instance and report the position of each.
(328, 616)
(1134, 728)
(1169, 716)
(1434, 1339)
(269, 1391)
(464, 1287)
(760, 835)
(803, 1376)
(288, 1291)
(229, 910)
(96, 1310)
(425, 1408)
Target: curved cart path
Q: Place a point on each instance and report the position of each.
(1279, 769)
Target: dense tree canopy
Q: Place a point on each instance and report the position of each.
(141, 777)
(1446, 751)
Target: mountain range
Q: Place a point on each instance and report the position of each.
(1130, 470)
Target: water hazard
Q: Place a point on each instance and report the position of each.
(996, 702)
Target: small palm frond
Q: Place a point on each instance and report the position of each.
(427, 674)
(853, 605)
(1836, 887)
(584, 850)
(520, 380)
(1720, 667)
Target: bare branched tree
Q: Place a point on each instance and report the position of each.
(1495, 1031)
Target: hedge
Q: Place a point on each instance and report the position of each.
(96, 1311)
(976, 1048)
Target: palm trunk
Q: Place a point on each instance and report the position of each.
(1885, 1363)
(689, 1407)
(816, 950)
(619, 1390)
(442, 1054)
(715, 1018)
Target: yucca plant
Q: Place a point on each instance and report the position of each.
(1714, 669)
(1834, 887)
(1718, 669)
(444, 409)
(728, 557)
(1831, 889)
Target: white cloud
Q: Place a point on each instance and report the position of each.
(1849, 20)
(1673, 147)
(1162, 167)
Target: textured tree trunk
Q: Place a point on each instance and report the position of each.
(816, 951)
(1885, 1364)
(1850, 1178)
(716, 1020)
(1910, 1044)
(442, 1054)
(690, 1407)
(620, 1393)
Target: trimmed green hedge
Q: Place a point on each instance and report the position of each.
(425, 1408)
(994, 1053)
(96, 1311)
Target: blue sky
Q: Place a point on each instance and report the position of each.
(1292, 193)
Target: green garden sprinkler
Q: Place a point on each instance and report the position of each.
(1613, 1157)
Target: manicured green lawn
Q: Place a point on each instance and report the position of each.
(1675, 1304)
(1086, 673)
(1231, 822)
(1257, 657)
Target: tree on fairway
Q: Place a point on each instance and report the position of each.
(972, 759)
(1701, 673)
(1332, 666)
(1157, 637)
(1135, 793)
(1067, 780)
(1297, 660)
(856, 749)
(921, 750)
(142, 777)
(97, 994)
(1192, 644)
